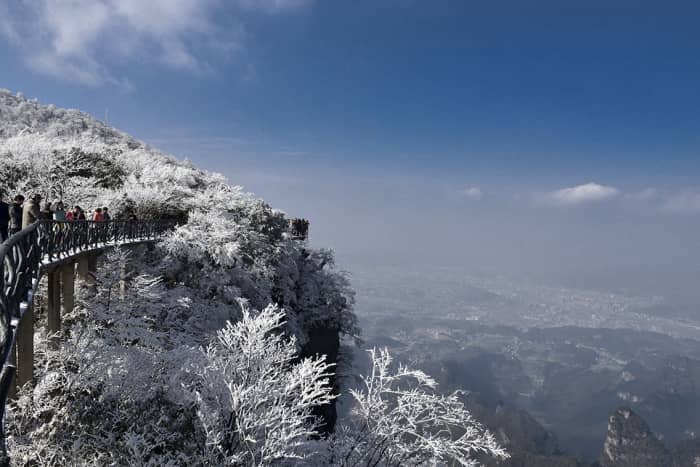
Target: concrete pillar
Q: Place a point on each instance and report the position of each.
(25, 348)
(53, 313)
(92, 262)
(68, 288)
(92, 270)
(12, 393)
(123, 272)
(83, 268)
(87, 267)
(61, 284)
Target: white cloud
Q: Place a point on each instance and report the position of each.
(273, 6)
(676, 201)
(646, 195)
(75, 40)
(7, 28)
(581, 194)
(686, 201)
(473, 193)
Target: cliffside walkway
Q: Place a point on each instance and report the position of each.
(61, 250)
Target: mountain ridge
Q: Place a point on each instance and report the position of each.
(231, 253)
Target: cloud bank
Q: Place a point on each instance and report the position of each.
(78, 40)
(684, 202)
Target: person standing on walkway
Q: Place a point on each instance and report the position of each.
(16, 214)
(46, 212)
(105, 214)
(31, 212)
(75, 214)
(59, 213)
(97, 215)
(4, 219)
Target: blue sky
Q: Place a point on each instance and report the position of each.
(568, 132)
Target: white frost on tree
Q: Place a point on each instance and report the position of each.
(178, 368)
(400, 420)
(255, 400)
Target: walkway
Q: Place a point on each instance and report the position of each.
(53, 248)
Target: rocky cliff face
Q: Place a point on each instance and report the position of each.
(630, 443)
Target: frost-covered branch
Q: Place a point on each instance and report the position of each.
(400, 419)
(256, 400)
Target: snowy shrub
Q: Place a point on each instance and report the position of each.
(399, 420)
(255, 398)
(135, 383)
(105, 396)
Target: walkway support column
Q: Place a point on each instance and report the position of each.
(53, 315)
(68, 288)
(125, 270)
(92, 271)
(87, 267)
(25, 348)
(61, 282)
(83, 268)
(92, 262)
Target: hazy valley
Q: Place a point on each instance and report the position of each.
(567, 357)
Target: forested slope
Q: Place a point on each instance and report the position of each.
(225, 347)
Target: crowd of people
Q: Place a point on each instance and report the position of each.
(21, 213)
(299, 228)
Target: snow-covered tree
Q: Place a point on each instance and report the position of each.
(179, 368)
(131, 385)
(255, 398)
(400, 420)
(105, 395)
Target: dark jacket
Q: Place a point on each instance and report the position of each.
(46, 214)
(4, 214)
(15, 217)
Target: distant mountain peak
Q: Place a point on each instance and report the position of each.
(630, 443)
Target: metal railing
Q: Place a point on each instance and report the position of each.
(25, 255)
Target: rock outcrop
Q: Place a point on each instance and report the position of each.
(630, 443)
